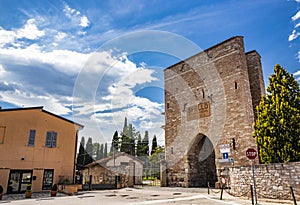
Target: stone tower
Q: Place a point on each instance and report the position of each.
(210, 101)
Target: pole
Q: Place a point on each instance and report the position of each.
(221, 192)
(207, 187)
(253, 179)
(293, 195)
(252, 199)
(227, 181)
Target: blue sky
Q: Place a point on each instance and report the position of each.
(96, 62)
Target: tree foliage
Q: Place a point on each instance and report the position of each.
(154, 145)
(105, 150)
(115, 143)
(81, 155)
(145, 143)
(128, 138)
(277, 128)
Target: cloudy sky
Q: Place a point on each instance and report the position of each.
(96, 61)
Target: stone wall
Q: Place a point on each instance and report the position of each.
(272, 181)
(210, 94)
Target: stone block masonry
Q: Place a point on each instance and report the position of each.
(209, 101)
(272, 180)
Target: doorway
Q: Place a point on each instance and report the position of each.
(201, 159)
(18, 180)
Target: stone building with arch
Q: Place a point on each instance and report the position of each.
(210, 101)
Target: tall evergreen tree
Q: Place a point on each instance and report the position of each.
(115, 143)
(277, 128)
(154, 145)
(89, 151)
(145, 143)
(105, 150)
(139, 146)
(98, 153)
(101, 151)
(131, 137)
(96, 147)
(81, 155)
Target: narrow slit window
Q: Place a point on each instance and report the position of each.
(235, 85)
(203, 94)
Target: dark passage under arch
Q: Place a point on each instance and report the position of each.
(201, 160)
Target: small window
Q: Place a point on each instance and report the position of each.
(51, 139)
(203, 94)
(124, 163)
(2, 134)
(31, 138)
(235, 85)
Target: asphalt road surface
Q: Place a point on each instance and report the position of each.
(140, 196)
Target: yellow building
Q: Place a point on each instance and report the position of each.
(36, 147)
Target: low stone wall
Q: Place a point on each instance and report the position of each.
(272, 180)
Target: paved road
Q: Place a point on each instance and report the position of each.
(140, 196)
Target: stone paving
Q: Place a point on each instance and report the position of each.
(35, 195)
(136, 196)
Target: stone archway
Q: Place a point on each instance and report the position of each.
(201, 162)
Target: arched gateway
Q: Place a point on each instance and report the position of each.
(210, 100)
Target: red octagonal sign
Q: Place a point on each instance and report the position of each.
(251, 153)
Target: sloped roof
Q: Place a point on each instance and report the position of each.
(102, 162)
(45, 111)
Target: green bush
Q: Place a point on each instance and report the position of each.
(28, 188)
(54, 187)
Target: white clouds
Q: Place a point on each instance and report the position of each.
(63, 60)
(294, 35)
(76, 17)
(296, 16)
(28, 99)
(2, 70)
(6, 37)
(30, 30)
(84, 21)
(61, 35)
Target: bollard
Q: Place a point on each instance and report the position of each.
(207, 187)
(252, 198)
(221, 193)
(293, 195)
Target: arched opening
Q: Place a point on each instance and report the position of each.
(201, 159)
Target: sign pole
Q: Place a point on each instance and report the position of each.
(252, 154)
(254, 183)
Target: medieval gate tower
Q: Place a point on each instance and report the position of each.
(210, 101)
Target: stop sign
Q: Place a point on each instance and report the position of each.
(251, 153)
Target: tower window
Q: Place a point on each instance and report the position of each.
(203, 94)
(235, 85)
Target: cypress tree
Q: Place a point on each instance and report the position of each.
(89, 151)
(81, 155)
(154, 145)
(105, 150)
(115, 143)
(277, 128)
